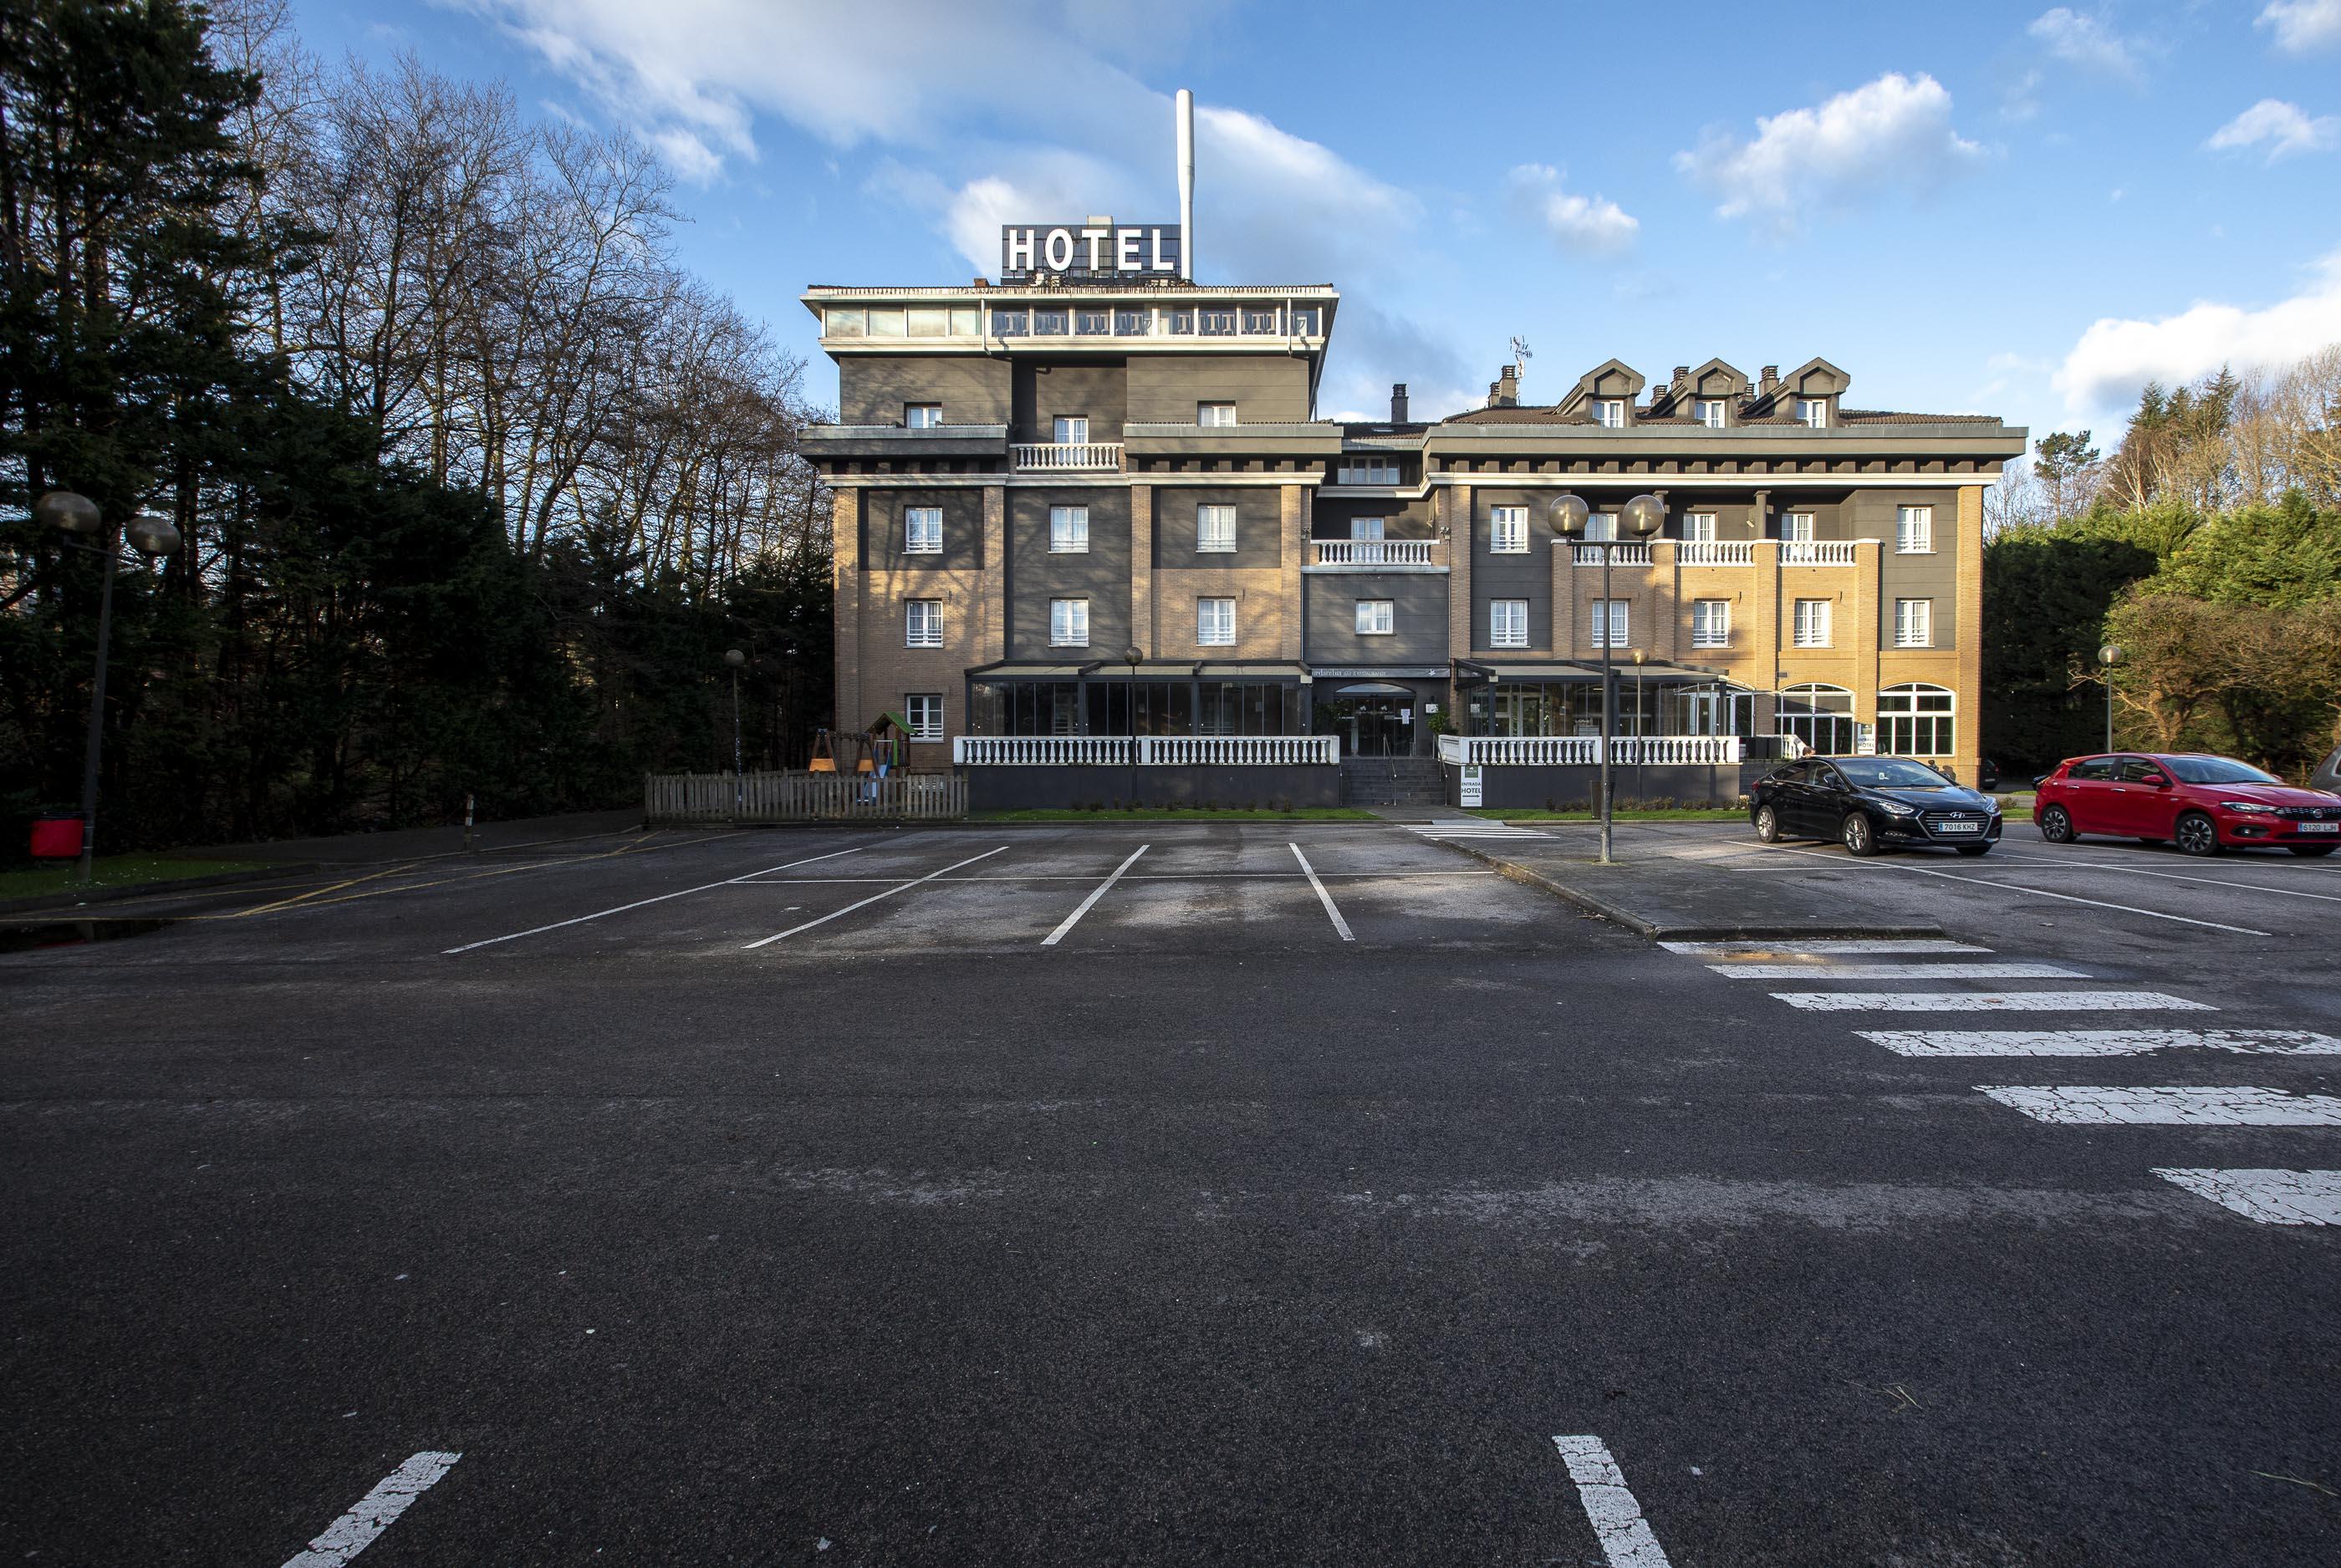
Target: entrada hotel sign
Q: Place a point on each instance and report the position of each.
(1097, 249)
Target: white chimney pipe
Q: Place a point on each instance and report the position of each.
(1187, 180)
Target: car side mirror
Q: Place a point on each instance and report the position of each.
(2158, 780)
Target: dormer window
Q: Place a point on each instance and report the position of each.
(1216, 414)
(1710, 412)
(922, 416)
(1813, 412)
(1611, 413)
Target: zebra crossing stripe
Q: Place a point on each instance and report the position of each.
(1988, 971)
(1990, 1002)
(1788, 948)
(2223, 1106)
(2098, 1042)
(2270, 1196)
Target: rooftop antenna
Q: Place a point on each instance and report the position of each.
(1186, 113)
(1521, 357)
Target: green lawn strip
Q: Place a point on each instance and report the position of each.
(1191, 814)
(114, 871)
(1513, 814)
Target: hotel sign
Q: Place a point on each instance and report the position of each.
(1091, 251)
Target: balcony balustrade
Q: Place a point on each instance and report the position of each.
(1069, 456)
(1715, 552)
(1154, 750)
(1619, 554)
(1817, 552)
(1374, 552)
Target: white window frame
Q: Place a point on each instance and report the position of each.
(1914, 623)
(1795, 528)
(1699, 527)
(1600, 526)
(1711, 412)
(1901, 722)
(1711, 623)
(922, 623)
(1071, 428)
(1508, 531)
(1215, 623)
(1215, 415)
(922, 531)
(922, 416)
(1618, 619)
(1375, 616)
(1812, 413)
(1210, 537)
(1914, 531)
(1367, 529)
(1069, 623)
(1507, 623)
(929, 726)
(1069, 531)
(1809, 623)
(1609, 412)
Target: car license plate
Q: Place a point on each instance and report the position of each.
(1960, 828)
(2321, 827)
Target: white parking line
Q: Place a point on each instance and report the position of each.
(901, 887)
(1070, 921)
(355, 1531)
(2173, 876)
(2220, 1105)
(1850, 945)
(2018, 887)
(2098, 1042)
(2270, 1196)
(642, 903)
(1990, 1002)
(1627, 1539)
(1322, 897)
(1826, 971)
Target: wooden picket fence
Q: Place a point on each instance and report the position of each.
(802, 796)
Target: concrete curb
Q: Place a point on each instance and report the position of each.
(1658, 931)
(46, 905)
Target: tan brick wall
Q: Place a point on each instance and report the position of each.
(994, 641)
(845, 586)
(1969, 659)
(1296, 506)
(1142, 607)
(1268, 612)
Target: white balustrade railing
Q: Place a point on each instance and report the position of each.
(1069, 456)
(1715, 552)
(1374, 552)
(1585, 751)
(1817, 552)
(1154, 750)
(1619, 554)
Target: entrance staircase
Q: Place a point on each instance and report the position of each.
(1391, 781)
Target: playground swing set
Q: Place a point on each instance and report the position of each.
(878, 750)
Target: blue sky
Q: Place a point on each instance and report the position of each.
(2023, 210)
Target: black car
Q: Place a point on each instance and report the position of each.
(1866, 803)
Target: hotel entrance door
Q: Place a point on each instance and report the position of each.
(1371, 720)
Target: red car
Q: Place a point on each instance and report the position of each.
(2202, 804)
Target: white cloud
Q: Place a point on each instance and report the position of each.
(2283, 127)
(2115, 358)
(2303, 27)
(1583, 225)
(2079, 39)
(1892, 134)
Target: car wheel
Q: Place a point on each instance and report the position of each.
(2056, 825)
(1768, 824)
(1860, 838)
(1972, 850)
(2312, 852)
(2197, 834)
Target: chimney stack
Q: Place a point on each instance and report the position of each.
(1770, 378)
(1504, 392)
(1397, 402)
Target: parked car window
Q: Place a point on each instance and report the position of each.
(2218, 770)
(2139, 769)
(1827, 777)
(2097, 768)
(1793, 773)
(1892, 773)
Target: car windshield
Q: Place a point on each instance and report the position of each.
(2217, 771)
(1889, 773)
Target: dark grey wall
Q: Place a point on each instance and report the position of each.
(1527, 577)
(873, 389)
(881, 528)
(1934, 577)
(1575, 789)
(1259, 526)
(1045, 390)
(1014, 789)
(1418, 618)
(1264, 386)
(1400, 519)
(1035, 576)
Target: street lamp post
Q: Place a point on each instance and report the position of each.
(1641, 798)
(2110, 656)
(153, 537)
(1569, 516)
(734, 657)
(1131, 656)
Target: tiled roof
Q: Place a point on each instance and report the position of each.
(1547, 414)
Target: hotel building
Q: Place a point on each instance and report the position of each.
(1085, 503)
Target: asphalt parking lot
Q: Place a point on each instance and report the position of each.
(1291, 1193)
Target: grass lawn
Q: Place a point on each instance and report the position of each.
(1184, 814)
(1516, 814)
(113, 872)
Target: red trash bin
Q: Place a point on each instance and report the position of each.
(56, 836)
